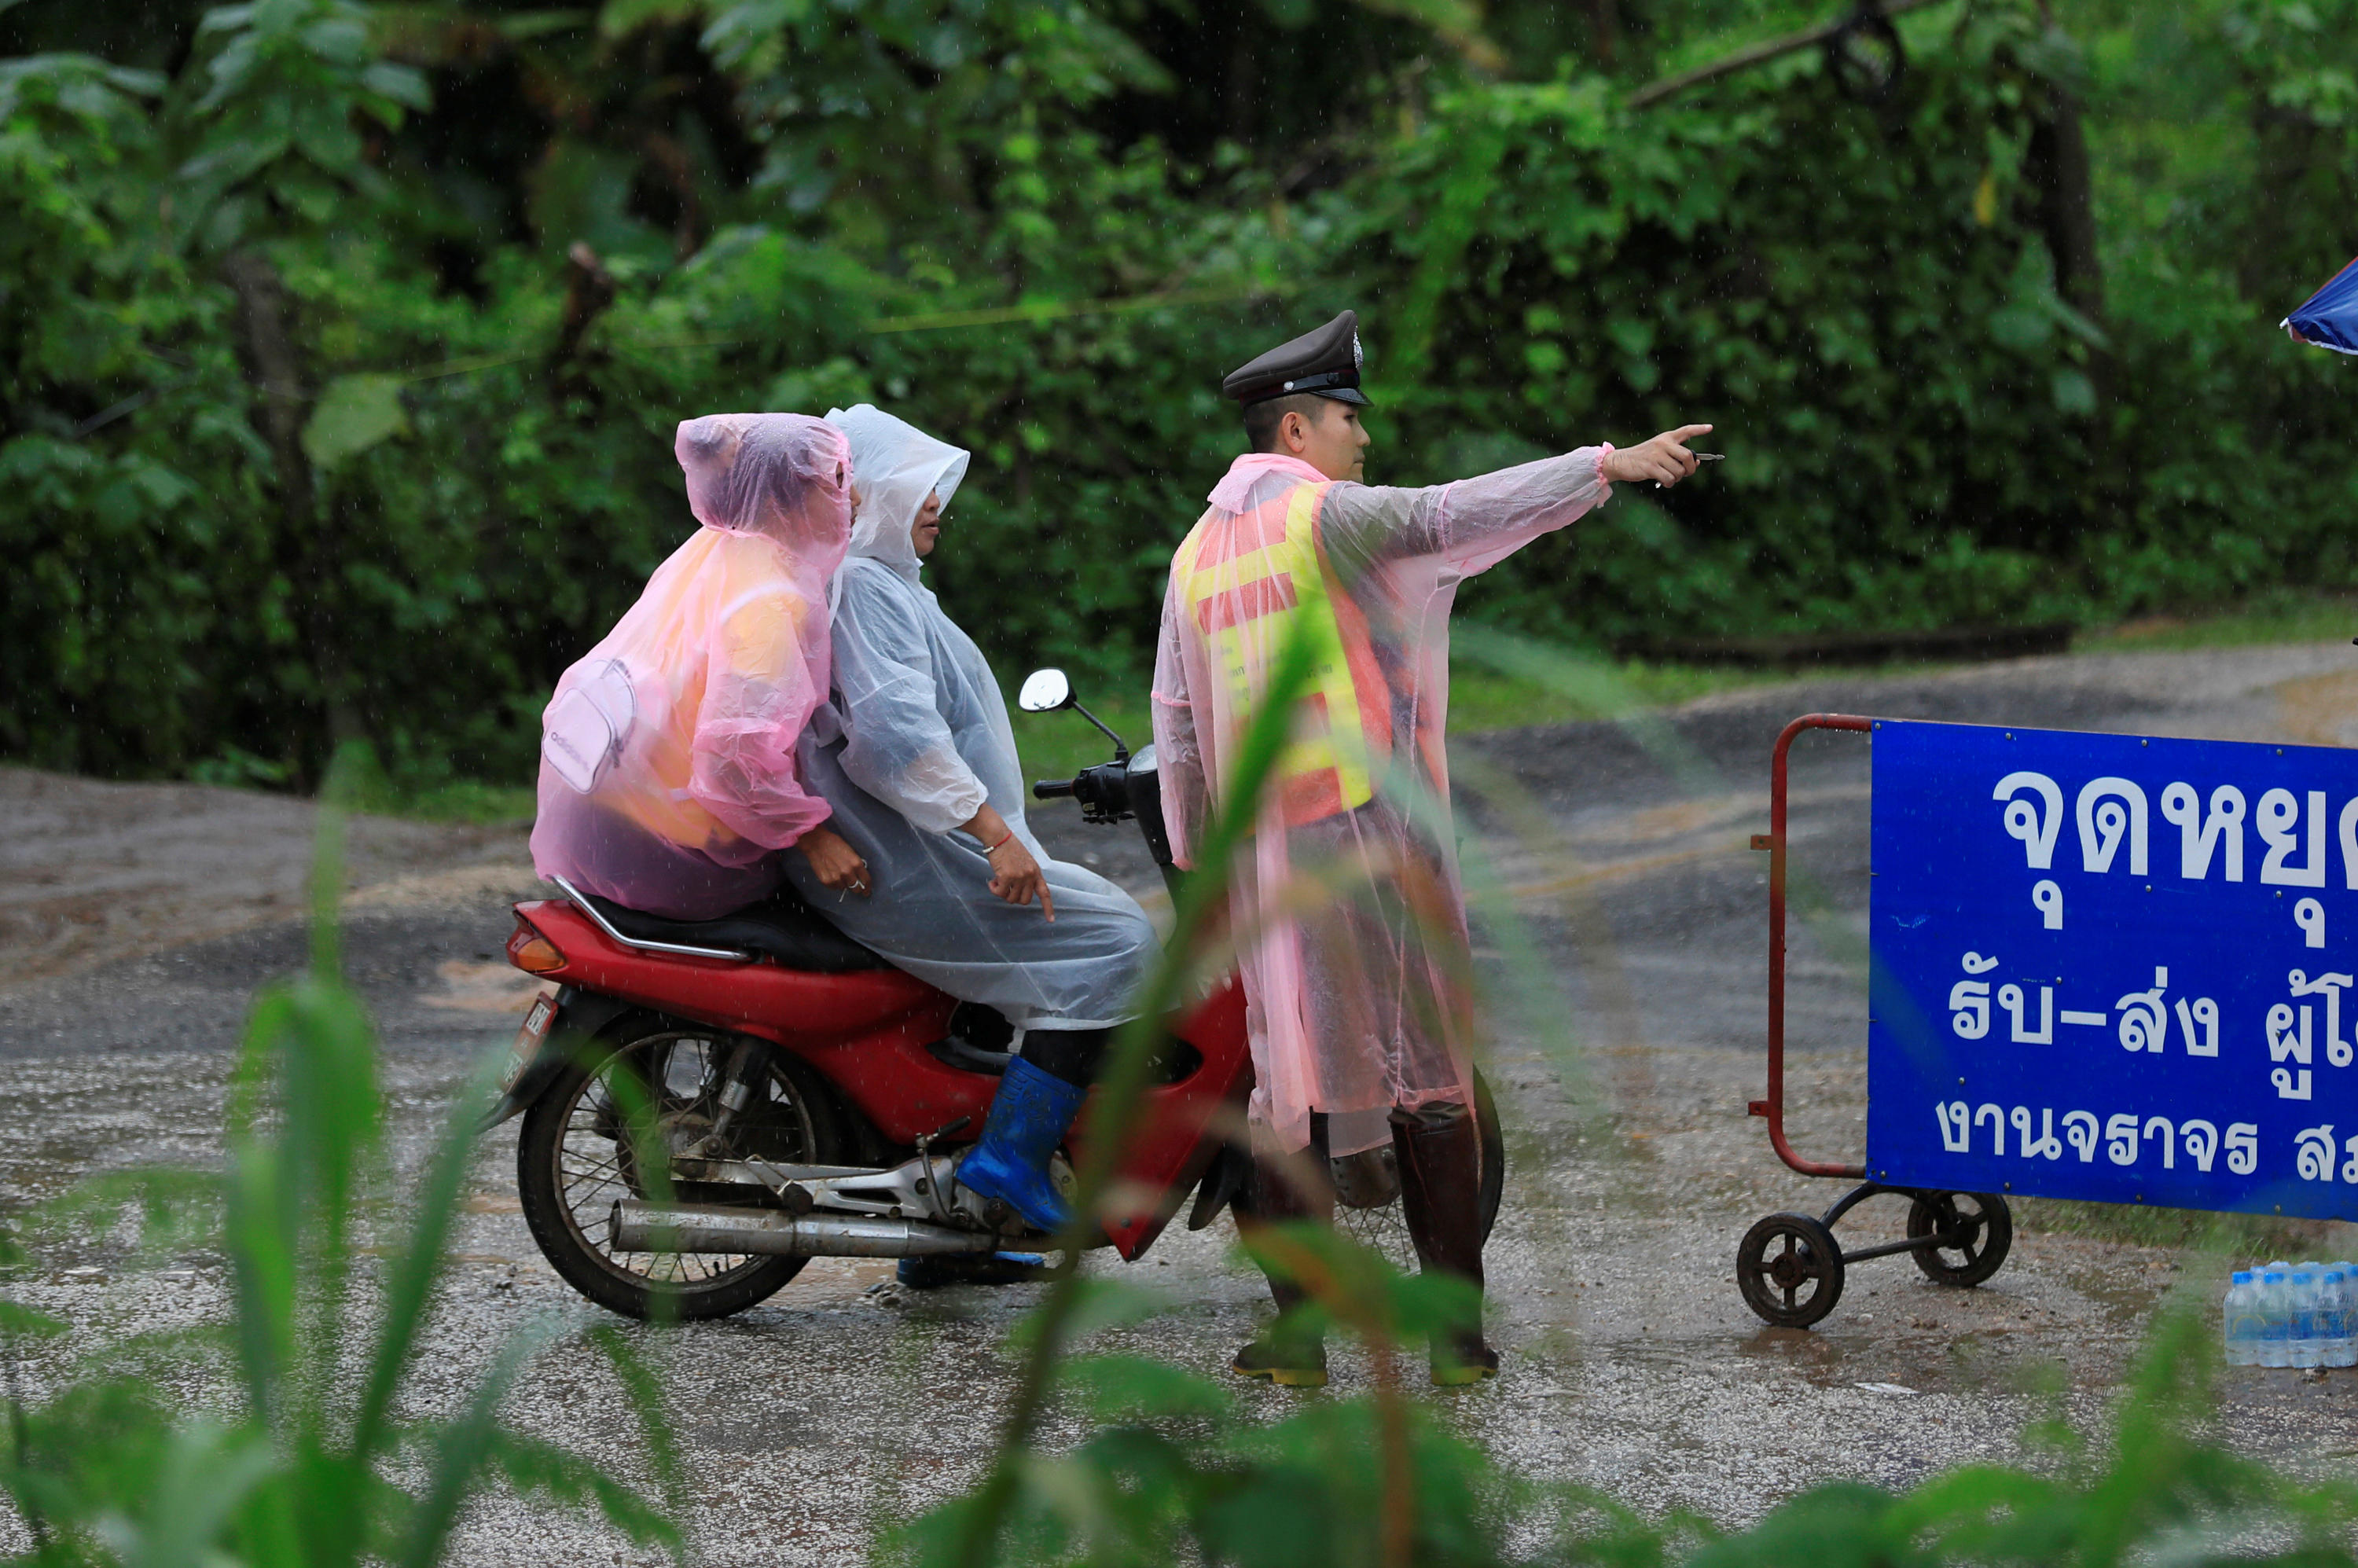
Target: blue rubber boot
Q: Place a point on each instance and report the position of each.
(1011, 1163)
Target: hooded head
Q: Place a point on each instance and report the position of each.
(896, 465)
(782, 475)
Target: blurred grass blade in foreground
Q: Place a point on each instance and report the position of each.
(291, 1469)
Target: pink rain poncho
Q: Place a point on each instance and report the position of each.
(668, 780)
(1348, 917)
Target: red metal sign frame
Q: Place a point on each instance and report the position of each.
(1773, 1108)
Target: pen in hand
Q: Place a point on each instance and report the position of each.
(1712, 458)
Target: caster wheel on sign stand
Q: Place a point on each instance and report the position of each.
(1981, 1231)
(1789, 1268)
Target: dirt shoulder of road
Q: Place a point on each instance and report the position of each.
(93, 872)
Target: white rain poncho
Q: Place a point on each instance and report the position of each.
(668, 778)
(1350, 921)
(915, 743)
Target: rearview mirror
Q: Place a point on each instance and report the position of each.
(1045, 691)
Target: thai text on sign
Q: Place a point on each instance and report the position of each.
(2114, 968)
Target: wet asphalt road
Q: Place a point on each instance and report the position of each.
(843, 1405)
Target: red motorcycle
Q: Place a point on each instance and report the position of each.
(805, 1100)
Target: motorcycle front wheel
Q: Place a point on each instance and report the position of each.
(609, 1120)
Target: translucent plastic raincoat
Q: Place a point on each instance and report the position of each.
(1345, 897)
(915, 742)
(668, 779)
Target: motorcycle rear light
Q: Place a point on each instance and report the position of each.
(530, 951)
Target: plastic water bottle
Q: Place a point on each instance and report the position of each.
(2304, 1319)
(2241, 1312)
(2333, 1316)
(2276, 1319)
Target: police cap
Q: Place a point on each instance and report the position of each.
(1325, 361)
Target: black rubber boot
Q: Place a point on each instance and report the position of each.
(1440, 1154)
(1287, 1357)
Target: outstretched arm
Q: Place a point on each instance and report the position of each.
(1665, 460)
(1474, 524)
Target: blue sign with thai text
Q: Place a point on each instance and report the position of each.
(2115, 967)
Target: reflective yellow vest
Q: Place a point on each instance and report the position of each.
(1249, 581)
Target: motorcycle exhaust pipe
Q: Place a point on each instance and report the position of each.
(637, 1226)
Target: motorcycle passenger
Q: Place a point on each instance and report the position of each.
(1358, 999)
(917, 757)
(668, 780)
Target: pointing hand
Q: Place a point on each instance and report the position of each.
(1664, 460)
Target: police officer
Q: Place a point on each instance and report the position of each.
(1345, 890)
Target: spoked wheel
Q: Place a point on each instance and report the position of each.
(1367, 1189)
(1368, 1206)
(608, 1127)
(1791, 1270)
(1982, 1231)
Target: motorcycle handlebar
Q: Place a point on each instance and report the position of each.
(1050, 789)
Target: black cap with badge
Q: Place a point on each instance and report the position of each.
(1325, 362)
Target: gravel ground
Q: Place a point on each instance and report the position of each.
(844, 1404)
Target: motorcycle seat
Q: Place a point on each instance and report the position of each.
(783, 928)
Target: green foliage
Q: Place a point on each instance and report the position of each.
(1180, 1478)
(1885, 366)
(354, 413)
(120, 561)
(288, 87)
(294, 1469)
(1174, 1469)
(1042, 230)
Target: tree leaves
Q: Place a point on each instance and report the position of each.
(1921, 431)
(353, 413)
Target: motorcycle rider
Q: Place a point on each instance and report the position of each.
(1358, 999)
(668, 782)
(917, 757)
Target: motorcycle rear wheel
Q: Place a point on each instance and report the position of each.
(577, 1155)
